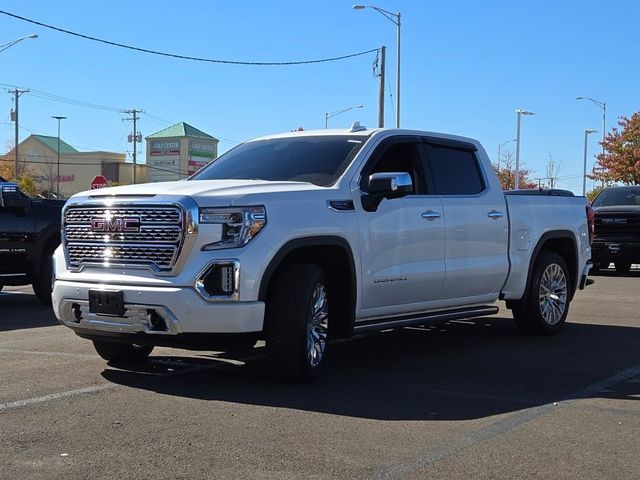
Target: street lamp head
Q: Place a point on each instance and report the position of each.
(524, 112)
(58, 117)
(579, 98)
(589, 130)
(33, 35)
(359, 7)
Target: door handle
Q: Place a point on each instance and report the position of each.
(430, 215)
(495, 214)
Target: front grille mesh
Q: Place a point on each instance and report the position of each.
(147, 235)
(155, 244)
(161, 256)
(151, 215)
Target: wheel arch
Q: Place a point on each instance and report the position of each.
(335, 256)
(47, 240)
(562, 242)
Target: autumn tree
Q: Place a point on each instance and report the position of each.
(620, 161)
(591, 196)
(25, 179)
(505, 169)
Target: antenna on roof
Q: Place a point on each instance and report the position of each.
(356, 127)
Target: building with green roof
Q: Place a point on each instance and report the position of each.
(178, 152)
(38, 157)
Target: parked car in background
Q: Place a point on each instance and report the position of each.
(29, 234)
(617, 228)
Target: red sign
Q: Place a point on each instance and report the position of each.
(99, 182)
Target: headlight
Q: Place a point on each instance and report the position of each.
(239, 225)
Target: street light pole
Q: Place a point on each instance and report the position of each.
(395, 19)
(603, 106)
(329, 115)
(4, 46)
(587, 132)
(519, 113)
(58, 118)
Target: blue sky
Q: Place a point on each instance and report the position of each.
(466, 67)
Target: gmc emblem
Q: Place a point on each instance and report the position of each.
(115, 224)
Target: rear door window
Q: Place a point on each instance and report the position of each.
(455, 170)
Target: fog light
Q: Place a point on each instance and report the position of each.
(219, 281)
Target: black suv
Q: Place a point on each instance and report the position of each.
(29, 233)
(617, 228)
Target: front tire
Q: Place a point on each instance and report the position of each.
(545, 305)
(122, 353)
(43, 283)
(297, 323)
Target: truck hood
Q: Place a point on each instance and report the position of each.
(222, 190)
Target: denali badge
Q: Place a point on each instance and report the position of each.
(614, 220)
(115, 224)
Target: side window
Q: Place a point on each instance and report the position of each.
(455, 170)
(400, 157)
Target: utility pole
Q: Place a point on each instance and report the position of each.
(17, 92)
(58, 118)
(135, 138)
(383, 50)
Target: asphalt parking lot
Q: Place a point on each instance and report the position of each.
(469, 399)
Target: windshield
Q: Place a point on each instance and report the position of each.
(618, 196)
(319, 160)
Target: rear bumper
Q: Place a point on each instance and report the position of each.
(606, 251)
(154, 312)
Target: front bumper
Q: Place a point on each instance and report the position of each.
(155, 311)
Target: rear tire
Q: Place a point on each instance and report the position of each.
(623, 267)
(297, 323)
(122, 352)
(544, 307)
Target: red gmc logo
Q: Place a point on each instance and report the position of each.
(115, 224)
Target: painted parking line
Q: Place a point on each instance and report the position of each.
(56, 396)
(30, 339)
(504, 425)
(220, 364)
(53, 354)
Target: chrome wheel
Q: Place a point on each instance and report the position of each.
(317, 326)
(553, 294)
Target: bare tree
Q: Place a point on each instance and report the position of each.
(553, 170)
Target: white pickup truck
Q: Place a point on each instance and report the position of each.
(302, 237)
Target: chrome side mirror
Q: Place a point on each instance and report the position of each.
(386, 185)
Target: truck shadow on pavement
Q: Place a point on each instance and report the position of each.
(21, 310)
(457, 371)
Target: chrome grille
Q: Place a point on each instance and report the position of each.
(154, 243)
(150, 215)
(148, 234)
(160, 255)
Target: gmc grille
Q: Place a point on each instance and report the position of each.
(155, 244)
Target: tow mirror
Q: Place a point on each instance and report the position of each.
(386, 185)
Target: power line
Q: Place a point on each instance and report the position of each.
(71, 101)
(185, 57)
